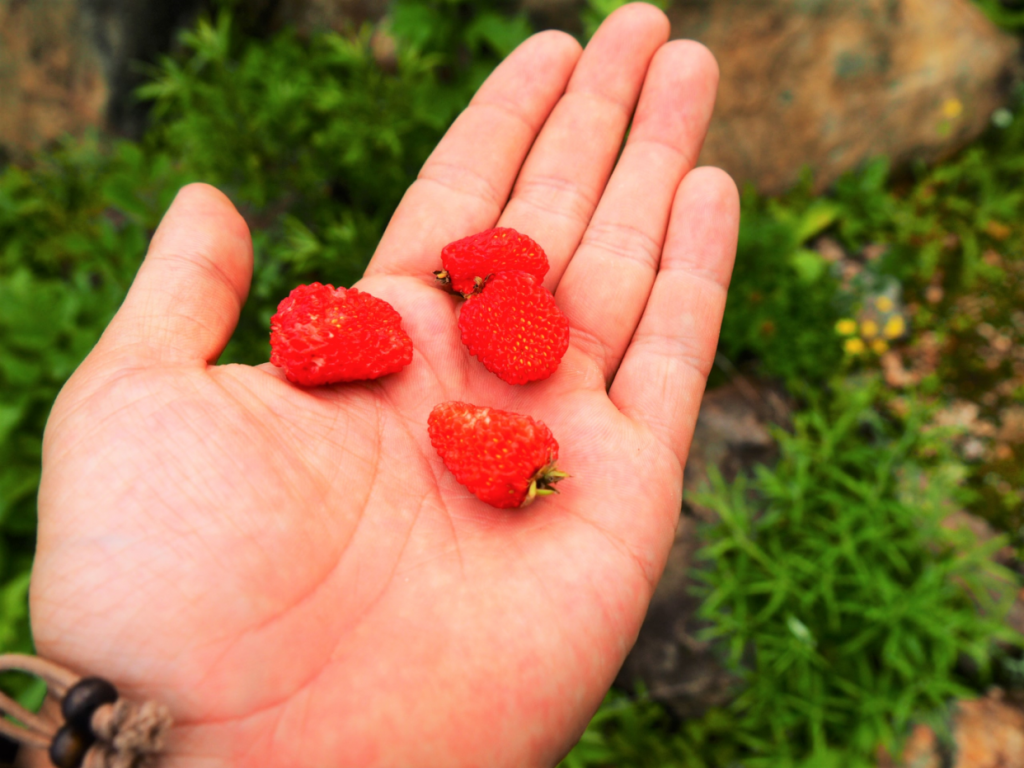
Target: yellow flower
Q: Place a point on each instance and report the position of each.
(952, 108)
(895, 327)
(854, 347)
(879, 346)
(884, 304)
(869, 329)
(846, 327)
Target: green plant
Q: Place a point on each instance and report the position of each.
(1007, 15)
(634, 732)
(938, 224)
(784, 300)
(463, 37)
(951, 236)
(841, 599)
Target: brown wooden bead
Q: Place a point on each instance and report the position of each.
(84, 698)
(69, 745)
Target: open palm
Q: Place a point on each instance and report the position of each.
(293, 571)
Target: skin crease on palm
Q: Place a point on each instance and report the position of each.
(293, 571)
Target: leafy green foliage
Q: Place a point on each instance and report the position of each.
(841, 599)
(636, 733)
(463, 36)
(953, 239)
(1005, 15)
(944, 222)
(935, 227)
(783, 301)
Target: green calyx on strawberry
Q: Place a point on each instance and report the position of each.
(543, 484)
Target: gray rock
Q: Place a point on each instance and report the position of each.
(986, 733)
(51, 78)
(69, 65)
(829, 84)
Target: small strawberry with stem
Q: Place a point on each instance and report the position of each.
(505, 459)
(470, 261)
(326, 335)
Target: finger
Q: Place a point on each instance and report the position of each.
(605, 287)
(185, 300)
(662, 376)
(465, 182)
(569, 165)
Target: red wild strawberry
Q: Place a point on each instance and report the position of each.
(324, 335)
(505, 459)
(471, 260)
(514, 328)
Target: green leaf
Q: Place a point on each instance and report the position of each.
(501, 33)
(809, 265)
(818, 217)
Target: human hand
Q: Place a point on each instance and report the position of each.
(293, 571)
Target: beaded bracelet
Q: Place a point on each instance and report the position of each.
(99, 728)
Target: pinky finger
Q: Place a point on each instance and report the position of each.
(661, 380)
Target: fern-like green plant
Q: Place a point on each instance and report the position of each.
(840, 598)
(784, 300)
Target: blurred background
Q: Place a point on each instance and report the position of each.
(845, 588)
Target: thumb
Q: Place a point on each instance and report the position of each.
(184, 303)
